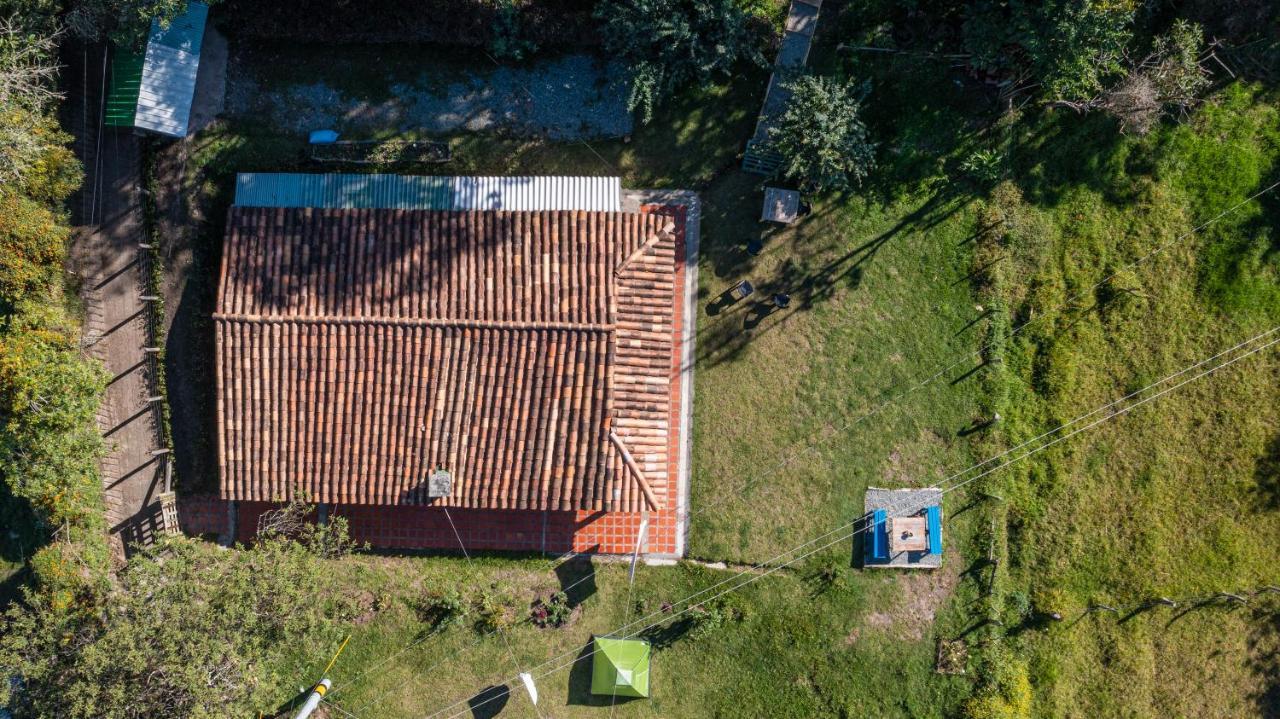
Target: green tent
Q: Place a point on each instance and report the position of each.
(620, 667)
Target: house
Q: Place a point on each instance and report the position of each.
(152, 89)
(533, 355)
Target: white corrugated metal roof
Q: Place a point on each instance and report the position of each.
(258, 189)
(537, 193)
(168, 82)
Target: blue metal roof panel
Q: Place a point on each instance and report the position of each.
(877, 540)
(378, 191)
(602, 194)
(343, 191)
(185, 32)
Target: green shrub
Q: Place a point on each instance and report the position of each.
(35, 158)
(983, 166)
(554, 612)
(32, 248)
(510, 41)
(671, 44)
(495, 611)
(188, 629)
(1070, 47)
(709, 618)
(442, 609)
(49, 394)
(821, 136)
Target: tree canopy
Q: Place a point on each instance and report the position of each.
(669, 44)
(821, 136)
(186, 629)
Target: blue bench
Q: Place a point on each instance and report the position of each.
(933, 516)
(876, 541)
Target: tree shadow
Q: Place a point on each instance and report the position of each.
(1264, 652)
(577, 578)
(665, 636)
(725, 340)
(1266, 474)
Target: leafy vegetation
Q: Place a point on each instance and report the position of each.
(185, 629)
(49, 444)
(820, 135)
(670, 44)
(980, 218)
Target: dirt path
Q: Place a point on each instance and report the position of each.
(106, 254)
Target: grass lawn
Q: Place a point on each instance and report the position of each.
(879, 295)
(1178, 499)
(798, 648)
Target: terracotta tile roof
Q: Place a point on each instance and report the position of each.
(359, 349)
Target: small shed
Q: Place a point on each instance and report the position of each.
(903, 528)
(620, 667)
(153, 89)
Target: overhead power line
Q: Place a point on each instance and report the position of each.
(958, 359)
(859, 525)
(892, 399)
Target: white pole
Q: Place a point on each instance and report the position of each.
(313, 699)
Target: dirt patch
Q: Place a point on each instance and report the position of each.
(563, 98)
(917, 597)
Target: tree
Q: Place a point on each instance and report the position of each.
(1167, 79)
(32, 245)
(1069, 47)
(670, 44)
(186, 629)
(124, 22)
(35, 159)
(49, 394)
(820, 135)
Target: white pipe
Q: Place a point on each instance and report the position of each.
(313, 699)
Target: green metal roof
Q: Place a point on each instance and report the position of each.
(122, 91)
(620, 667)
(153, 89)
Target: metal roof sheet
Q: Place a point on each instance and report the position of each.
(537, 193)
(425, 192)
(185, 32)
(122, 94)
(169, 70)
(343, 191)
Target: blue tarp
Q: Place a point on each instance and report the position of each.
(933, 516)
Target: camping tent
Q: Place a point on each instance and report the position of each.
(620, 667)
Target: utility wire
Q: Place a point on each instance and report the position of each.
(506, 641)
(786, 461)
(930, 379)
(567, 556)
(863, 525)
(952, 478)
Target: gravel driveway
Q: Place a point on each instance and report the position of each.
(565, 98)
